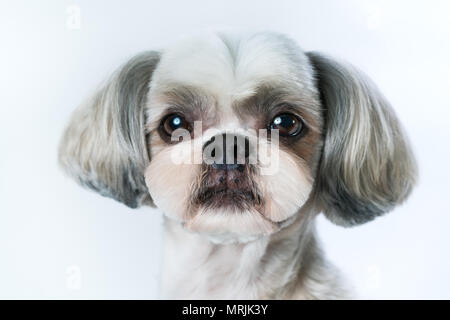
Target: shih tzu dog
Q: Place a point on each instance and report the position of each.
(241, 142)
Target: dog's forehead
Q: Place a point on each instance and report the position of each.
(231, 67)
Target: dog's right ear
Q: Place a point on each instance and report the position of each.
(104, 146)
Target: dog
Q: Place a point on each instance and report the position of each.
(159, 133)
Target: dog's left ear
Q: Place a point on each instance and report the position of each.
(367, 166)
(104, 146)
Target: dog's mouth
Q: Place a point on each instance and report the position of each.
(222, 196)
(231, 189)
(227, 197)
(229, 203)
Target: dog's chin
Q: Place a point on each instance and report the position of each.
(229, 216)
(229, 224)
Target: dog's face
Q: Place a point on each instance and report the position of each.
(235, 138)
(236, 93)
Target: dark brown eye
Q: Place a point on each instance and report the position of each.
(287, 124)
(173, 122)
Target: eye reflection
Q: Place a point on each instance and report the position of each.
(173, 122)
(288, 124)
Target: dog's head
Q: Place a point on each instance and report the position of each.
(236, 137)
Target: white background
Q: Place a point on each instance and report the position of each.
(58, 240)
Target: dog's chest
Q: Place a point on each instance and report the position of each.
(196, 268)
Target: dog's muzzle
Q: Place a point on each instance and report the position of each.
(226, 178)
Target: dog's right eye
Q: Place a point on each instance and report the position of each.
(173, 122)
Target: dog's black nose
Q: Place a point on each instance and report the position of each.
(227, 152)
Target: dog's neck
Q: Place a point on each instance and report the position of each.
(286, 265)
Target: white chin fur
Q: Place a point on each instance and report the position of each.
(226, 226)
(231, 238)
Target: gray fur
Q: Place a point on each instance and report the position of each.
(367, 166)
(104, 146)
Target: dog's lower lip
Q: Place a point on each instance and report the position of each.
(212, 192)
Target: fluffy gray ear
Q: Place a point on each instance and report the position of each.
(367, 166)
(104, 146)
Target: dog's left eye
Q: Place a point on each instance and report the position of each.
(173, 122)
(287, 124)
